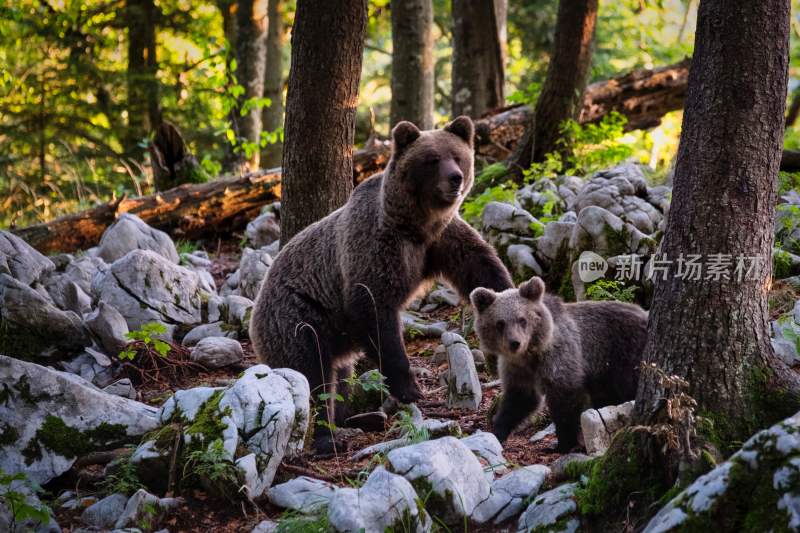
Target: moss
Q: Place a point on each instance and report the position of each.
(617, 241)
(621, 474)
(556, 527)
(55, 435)
(574, 470)
(8, 435)
(748, 505)
(208, 423)
(21, 342)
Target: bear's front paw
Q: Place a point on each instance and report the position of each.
(406, 391)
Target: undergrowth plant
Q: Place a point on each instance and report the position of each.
(609, 290)
(122, 479)
(146, 337)
(210, 467)
(295, 522)
(405, 425)
(17, 502)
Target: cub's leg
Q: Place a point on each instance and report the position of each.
(516, 403)
(565, 408)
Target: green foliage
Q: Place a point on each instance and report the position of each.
(551, 166)
(781, 264)
(17, 502)
(372, 381)
(472, 209)
(528, 96)
(121, 479)
(788, 181)
(595, 146)
(404, 424)
(185, 247)
(147, 335)
(604, 290)
(211, 467)
(295, 522)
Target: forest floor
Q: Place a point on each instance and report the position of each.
(199, 513)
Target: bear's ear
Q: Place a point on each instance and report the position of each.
(533, 289)
(403, 135)
(482, 298)
(463, 127)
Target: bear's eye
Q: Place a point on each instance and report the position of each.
(501, 326)
(522, 322)
(432, 160)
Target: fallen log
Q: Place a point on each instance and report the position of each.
(189, 211)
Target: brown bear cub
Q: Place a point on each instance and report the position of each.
(576, 355)
(337, 288)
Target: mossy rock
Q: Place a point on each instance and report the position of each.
(757, 489)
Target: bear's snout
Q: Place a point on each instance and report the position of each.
(456, 179)
(514, 345)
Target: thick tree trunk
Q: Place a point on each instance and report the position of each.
(715, 332)
(189, 212)
(272, 116)
(567, 74)
(327, 48)
(478, 62)
(143, 106)
(412, 62)
(251, 41)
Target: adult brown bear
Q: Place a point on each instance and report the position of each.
(337, 288)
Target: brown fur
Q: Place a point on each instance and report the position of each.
(336, 289)
(576, 355)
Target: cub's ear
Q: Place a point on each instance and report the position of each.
(463, 127)
(533, 289)
(403, 134)
(482, 298)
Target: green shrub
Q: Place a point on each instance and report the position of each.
(609, 290)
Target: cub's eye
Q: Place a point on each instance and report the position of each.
(501, 326)
(522, 322)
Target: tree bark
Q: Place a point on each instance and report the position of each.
(478, 62)
(567, 74)
(327, 49)
(251, 41)
(412, 62)
(715, 334)
(272, 116)
(143, 106)
(189, 212)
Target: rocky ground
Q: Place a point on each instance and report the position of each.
(131, 394)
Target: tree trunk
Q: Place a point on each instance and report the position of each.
(272, 116)
(412, 62)
(715, 333)
(144, 111)
(478, 62)
(567, 74)
(327, 49)
(251, 41)
(204, 210)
